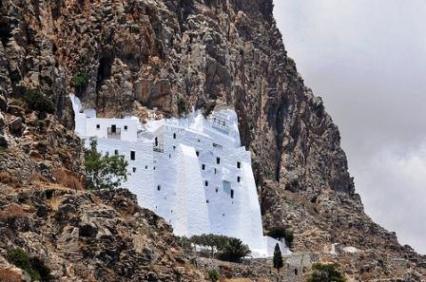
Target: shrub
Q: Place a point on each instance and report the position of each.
(104, 171)
(215, 242)
(35, 268)
(213, 275)
(234, 250)
(280, 233)
(278, 258)
(38, 101)
(184, 242)
(80, 81)
(325, 273)
(182, 106)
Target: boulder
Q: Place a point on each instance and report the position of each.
(16, 126)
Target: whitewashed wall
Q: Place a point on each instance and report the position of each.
(182, 180)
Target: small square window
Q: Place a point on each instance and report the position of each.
(207, 201)
(217, 190)
(197, 153)
(174, 147)
(132, 155)
(238, 165)
(206, 183)
(203, 167)
(134, 169)
(98, 126)
(125, 127)
(238, 179)
(146, 167)
(158, 187)
(153, 168)
(115, 152)
(218, 160)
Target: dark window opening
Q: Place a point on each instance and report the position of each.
(158, 187)
(132, 155)
(217, 190)
(98, 126)
(232, 193)
(146, 167)
(174, 147)
(295, 271)
(238, 179)
(238, 165)
(115, 152)
(174, 135)
(156, 141)
(215, 170)
(218, 160)
(170, 156)
(113, 128)
(125, 127)
(203, 166)
(153, 168)
(206, 183)
(207, 201)
(134, 169)
(197, 153)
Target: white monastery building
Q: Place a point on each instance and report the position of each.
(191, 171)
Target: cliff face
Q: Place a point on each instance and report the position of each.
(138, 55)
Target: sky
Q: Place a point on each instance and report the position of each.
(367, 59)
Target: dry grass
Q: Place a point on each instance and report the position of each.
(54, 202)
(8, 275)
(12, 211)
(68, 179)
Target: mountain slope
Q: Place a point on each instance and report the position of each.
(169, 55)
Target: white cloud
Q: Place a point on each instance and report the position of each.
(367, 58)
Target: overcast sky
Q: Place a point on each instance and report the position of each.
(367, 59)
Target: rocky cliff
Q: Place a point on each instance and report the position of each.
(137, 56)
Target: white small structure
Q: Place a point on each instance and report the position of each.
(191, 171)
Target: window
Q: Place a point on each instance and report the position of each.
(115, 152)
(238, 165)
(113, 128)
(153, 168)
(207, 201)
(98, 126)
(218, 160)
(206, 183)
(232, 193)
(174, 147)
(156, 141)
(134, 169)
(125, 127)
(238, 179)
(132, 155)
(215, 170)
(174, 135)
(146, 167)
(217, 189)
(170, 156)
(197, 153)
(203, 167)
(158, 187)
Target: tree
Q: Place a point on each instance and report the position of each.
(104, 171)
(325, 273)
(214, 242)
(278, 258)
(80, 81)
(234, 250)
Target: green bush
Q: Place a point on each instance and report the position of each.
(234, 250)
(280, 233)
(38, 101)
(213, 275)
(104, 171)
(325, 273)
(80, 81)
(33, 266)
(182, 106)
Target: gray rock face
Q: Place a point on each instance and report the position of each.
(175, 55)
